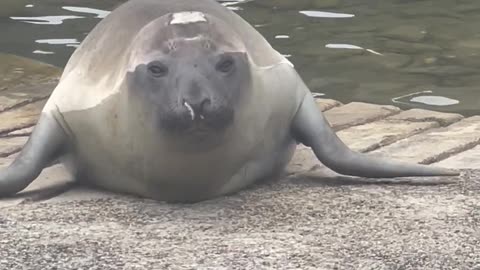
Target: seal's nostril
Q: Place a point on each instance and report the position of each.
(205, 103)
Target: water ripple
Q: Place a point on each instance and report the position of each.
(51, 20)
(324, 14)
(435, 100)
(351, 47)
(71, 42)
(100, 13)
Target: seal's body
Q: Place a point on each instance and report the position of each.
(182, 100)
(118, 149)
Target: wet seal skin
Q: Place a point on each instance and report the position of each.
(182, 100)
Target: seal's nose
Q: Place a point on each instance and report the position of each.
(196, 98)
(196, 107)
(197, 104)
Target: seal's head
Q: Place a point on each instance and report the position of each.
(190, 71)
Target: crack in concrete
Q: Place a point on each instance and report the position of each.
(23, 103)
(9, 153)
(450, 153)
(4, 132)
(9, 135)
(395, 138)
(441, 122)
(366, 120)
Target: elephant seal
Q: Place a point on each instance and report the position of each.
(182, 100)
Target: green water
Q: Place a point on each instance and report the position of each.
(423, 54)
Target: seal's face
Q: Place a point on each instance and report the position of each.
(188, 75)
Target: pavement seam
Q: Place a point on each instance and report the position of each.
(450, 153)
(334, 104)
(367, 121)
(4, 132)
(9, 153)
(8, 135)
(395, 138)
(441, 122)
(23, 103)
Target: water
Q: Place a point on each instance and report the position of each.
(412, 54)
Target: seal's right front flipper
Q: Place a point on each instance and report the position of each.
(311, 128)
(46, 143)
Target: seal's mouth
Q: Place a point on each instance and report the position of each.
(185, 120)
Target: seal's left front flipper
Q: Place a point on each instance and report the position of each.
(312, 129)
(44, 145)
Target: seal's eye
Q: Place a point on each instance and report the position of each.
(225, 65)
(157, 69)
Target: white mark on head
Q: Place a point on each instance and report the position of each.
(193, 38)
(190, 109)
(188, 17)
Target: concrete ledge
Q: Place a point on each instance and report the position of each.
(420, 115)
(326, 104)
(358, 113)
(394, 128)
(21, 117)
(437, 144)
(25, 81)
(293, 224)
(20, 132)
(11, 145)
(469, 159)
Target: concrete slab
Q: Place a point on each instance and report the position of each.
(291, 224)
(10, 100)
(17, 70)
(20, 117)
(374, 135)
(371, 136)
(437, 144)
(5, 161)
(20, 132)
(81, 193)
(25, 80)
(463, 160)
(420, 115)
(326, 104)
(358, 113)
(11, 145)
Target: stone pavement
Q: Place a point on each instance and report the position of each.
(312, 218)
